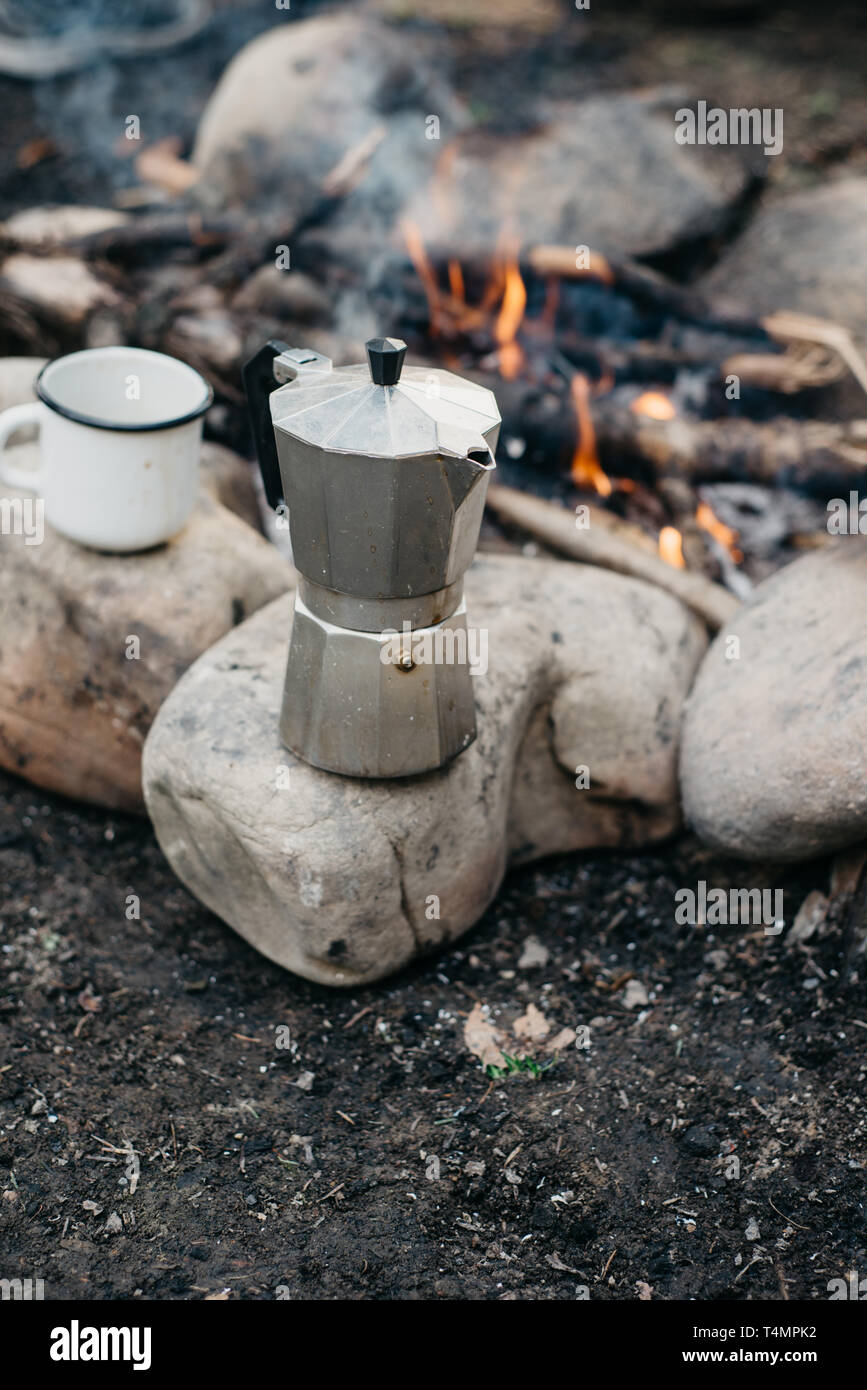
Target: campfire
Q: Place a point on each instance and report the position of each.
(511, 322)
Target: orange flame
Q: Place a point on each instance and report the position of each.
(586, 468)
(427, 275)
(724, 534)
(655, 405)
(449, 312)
(509, 320)
(671, 547)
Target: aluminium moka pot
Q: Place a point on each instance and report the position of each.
(384, 470)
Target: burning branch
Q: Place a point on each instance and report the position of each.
(601, 545)
(794, 453)
(586, 469)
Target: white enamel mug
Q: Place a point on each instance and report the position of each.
(120, 436)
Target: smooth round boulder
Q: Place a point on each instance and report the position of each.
(774, 749)
(91, 643)
(344, 880)
(804, 251)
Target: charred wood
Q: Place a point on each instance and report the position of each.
(607, 546)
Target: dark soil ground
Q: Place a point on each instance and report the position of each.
(612, 1170)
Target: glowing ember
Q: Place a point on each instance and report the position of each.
(509, 321)
(655, 405)
(671, 547)
(724, 534)
(586, 469)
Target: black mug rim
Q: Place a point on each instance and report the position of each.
(122, 427)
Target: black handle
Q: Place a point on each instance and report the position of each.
(258, 384)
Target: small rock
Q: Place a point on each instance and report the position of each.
(774, 751)
(534, 955)
(113, 1225)
(700, 1141)
(304, 1080)
(804, 251)
(752, 1231)
(719, 959)
(333, 877)
(635, 995)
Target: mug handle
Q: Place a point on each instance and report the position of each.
(11, 420)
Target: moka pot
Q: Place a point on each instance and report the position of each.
(384, 470)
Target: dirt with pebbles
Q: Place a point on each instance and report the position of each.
(161, 1138)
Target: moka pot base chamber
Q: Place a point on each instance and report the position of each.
(389, 703)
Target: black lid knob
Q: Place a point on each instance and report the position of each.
(385, 356)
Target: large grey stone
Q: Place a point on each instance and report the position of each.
(774, 756)
(296, 99)
(77, 695)
(344, 880)
(605, 172)
(807, 251)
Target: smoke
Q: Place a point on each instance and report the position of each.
(84, 107)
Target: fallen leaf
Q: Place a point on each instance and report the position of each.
(532, 1025)
(161, 166)
(561, 1040)
(811, 915)
(482, 1038)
